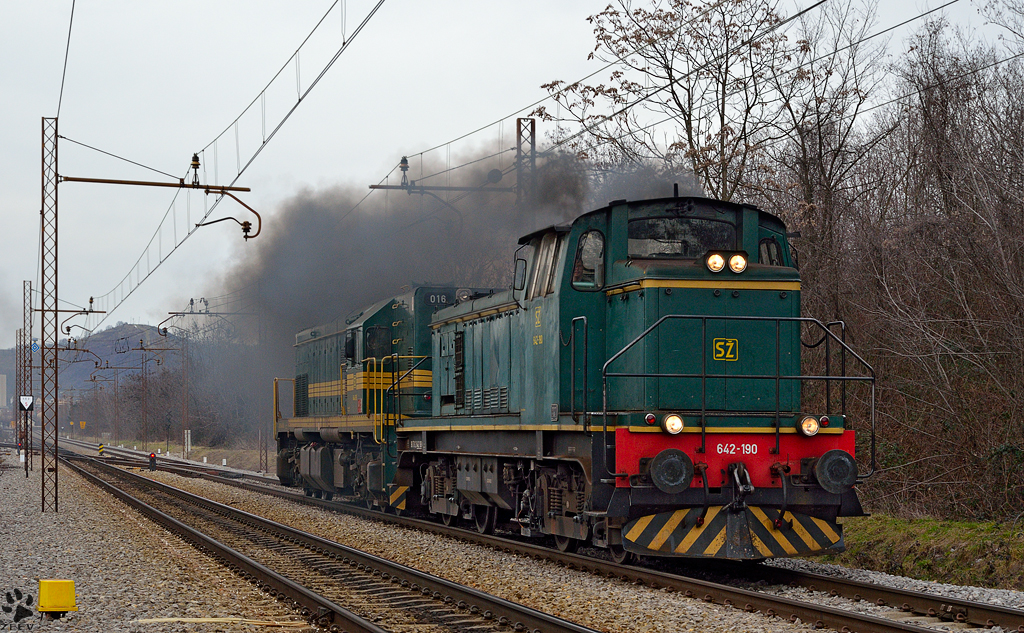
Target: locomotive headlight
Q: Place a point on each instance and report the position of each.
(672, 424)
(808, 427)
(737, 263)
(715, 262)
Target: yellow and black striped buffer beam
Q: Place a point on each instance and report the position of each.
(397, 496)
(750, 533)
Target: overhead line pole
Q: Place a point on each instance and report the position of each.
(27, 377)
(20, 429)
(28, 383)
(48, 305)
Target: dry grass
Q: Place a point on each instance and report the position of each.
(982, 554)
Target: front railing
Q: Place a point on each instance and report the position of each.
(828, 337)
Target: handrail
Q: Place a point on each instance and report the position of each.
(396, 386)
(572, 371)
(375, 396)
(379, 394)
(277, 408)
(778, 377)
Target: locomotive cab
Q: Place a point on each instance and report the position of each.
(698, 394)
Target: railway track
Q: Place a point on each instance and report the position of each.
(910, 610)
(319, 575)
(168, 463)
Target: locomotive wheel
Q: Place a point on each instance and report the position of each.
(328, 496)
(308, 491)
(449, 519)
(620, 555)
(566, 544)
(485, 518)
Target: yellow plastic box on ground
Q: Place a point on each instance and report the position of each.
(56, 596)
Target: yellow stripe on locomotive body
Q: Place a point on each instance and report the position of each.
(723, 284)
(371, 380)
(735, 429)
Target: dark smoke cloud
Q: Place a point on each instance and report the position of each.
(324, 254)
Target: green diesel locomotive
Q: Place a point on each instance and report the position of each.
(639, 388)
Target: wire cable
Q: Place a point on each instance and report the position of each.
(136, 269)
(67, 50)
(792, 70)
(71, 140)
(551, 96)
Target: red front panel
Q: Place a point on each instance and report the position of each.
(753, 449)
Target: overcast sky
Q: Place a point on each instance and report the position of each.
(155, 82)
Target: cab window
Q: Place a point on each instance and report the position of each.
(679, 237)
(588, 267)
(769, 252)
(542, 280)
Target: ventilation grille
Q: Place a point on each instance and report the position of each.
(302, 395)
(495, 398)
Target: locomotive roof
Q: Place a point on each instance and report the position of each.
(352, 320)
(565, 228)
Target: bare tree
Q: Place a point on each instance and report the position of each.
(703, 68)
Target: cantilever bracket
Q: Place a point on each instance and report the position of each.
(245, 224)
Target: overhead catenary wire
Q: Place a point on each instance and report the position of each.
(807, 63)
(139, 278)
(536, 103)
(562, 142)
(112, 295)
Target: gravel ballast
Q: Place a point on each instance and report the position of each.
(587, 599)
(599, 603)
(124, 567)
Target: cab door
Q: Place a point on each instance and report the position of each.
(539, 328)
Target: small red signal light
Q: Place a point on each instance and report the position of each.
(152, 455)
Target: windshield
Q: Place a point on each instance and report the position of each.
(687, 238)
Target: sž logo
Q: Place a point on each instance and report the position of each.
(17, 603)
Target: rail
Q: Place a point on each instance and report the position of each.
(909, 602)
(827, 335)
(502, 613)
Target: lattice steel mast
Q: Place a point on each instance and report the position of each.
(48, 309)
(28, 383)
